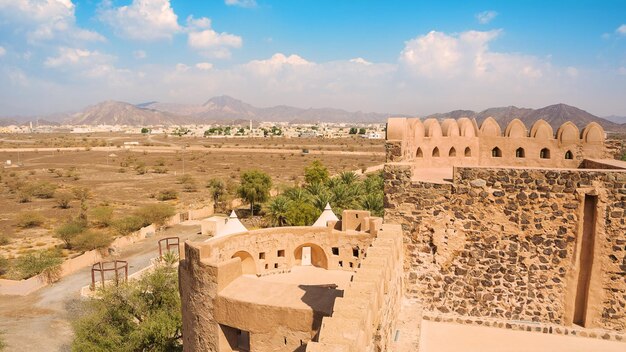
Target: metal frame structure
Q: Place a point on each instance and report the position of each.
(103, 267)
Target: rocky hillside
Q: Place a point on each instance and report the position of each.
(555, 115)
(119, 113)
(228, 109)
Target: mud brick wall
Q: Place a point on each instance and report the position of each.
(502, 243)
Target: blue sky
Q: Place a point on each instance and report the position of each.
(415, 57)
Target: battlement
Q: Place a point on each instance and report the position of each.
(462, 142)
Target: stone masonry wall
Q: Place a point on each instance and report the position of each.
(500, 243)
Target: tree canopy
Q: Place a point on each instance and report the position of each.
(254, 187)
(143, 315)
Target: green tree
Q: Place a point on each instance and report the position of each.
(217, 188)
(316, 172)
(70, 230)
(254, 187)
(348, 177)
(143, 315)
(145, 130)
(301, 214)
(361, 130)
(102, 216)
(128, 224)
(353, 130)
(156, 214)
(44, 262)
(374, 203)
(277, 211)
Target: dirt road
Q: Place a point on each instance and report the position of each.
(41, 321)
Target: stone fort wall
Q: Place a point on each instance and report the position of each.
(219, 301)
(364, 318)
(509, 243)
(462, 142)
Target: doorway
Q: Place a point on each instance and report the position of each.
(306, 256)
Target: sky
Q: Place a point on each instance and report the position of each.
(405, 57)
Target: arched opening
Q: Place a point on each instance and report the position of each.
(519, 153)
(496, 153)
(452, 152)
(318, 257)
(544, 153)
(569, 155)
(419, 153)
(436, 152)
(247, 262)
(468, 152)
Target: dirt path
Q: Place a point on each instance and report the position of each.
(41, 321)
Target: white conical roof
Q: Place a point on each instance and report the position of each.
(233, 225)
(327, 215)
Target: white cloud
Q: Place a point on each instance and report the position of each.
(209, 42)
(466, 55)
(486, 16)
(241, 3)
(278, 62)
(45, 20)
(75, 56)
(621, 30)
(3, 51)
(139, 54)
(360, 60)
(205, 66)
(147, 20)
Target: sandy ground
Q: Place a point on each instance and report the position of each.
(450, 337)
(41, 321)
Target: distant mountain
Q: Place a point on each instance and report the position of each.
(226, 109)
(616, 119)
(119, 113)
(555, 115)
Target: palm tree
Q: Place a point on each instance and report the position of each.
(277, 211)
(348, 177)
(297, 194)
(374, 203)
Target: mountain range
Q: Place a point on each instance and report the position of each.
(228, 110)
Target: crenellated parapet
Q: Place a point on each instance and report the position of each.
(461, 142)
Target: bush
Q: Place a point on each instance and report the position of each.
(102, 216)
(69, 231)
(43, 190)
(63, 199)
(143, 315)
(45, 262)
(90, 240)
(167, 194)
(156, 214)
(128, 224)
(29, 219)
(4, 240)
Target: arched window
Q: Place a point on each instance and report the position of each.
(496, 153)
(468, 152)
(452, 152)
(436, 152)
(569, 155)
(419, 153)
(519, 153)
(544, 153)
